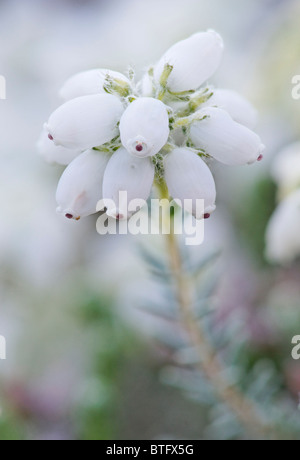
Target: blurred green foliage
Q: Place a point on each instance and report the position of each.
(11, 428)
(251, 212)
(109, 343)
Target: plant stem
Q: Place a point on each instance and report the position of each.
(245, 410)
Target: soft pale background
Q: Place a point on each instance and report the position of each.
(80, 361)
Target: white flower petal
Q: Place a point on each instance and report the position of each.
(286, 169)
(80, 187)
(283, 232)
(145, 86)
(194, 60)
(177, 106)
(86, 122)
(144, 127)
(90, 82)
(126, 173)
(189, 178)
(227, 141)
(53, 153)
(240, 110)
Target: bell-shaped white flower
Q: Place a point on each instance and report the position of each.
(144, 127)
(286, 169)
(126, 178)
(80, 187)
(53, 153)
(189, 178)
(240, 110)
(91, 82)
(194, 60)
(85, 122)
(283, 232)
(225, 140)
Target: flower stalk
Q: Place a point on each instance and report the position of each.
(246, 411)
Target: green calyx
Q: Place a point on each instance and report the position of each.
(110, 147)
(116, 87)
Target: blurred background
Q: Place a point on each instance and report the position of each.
(83, 360)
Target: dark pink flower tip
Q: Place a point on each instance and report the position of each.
(260, 158)
(69, 216)
(206, 216)
(50, 137)
(119, 217)
(139, 148)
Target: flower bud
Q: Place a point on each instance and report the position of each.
(80, 187)
(92, 82)
(225, 140)
(144, 127)
(194, 60)
(236, 105)
(283, 236)
(286, 169)
(85, 122)
(53, 153)
(126, 173)
(189, 178)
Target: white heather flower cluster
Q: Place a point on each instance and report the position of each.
(116, 135)
(283, 232)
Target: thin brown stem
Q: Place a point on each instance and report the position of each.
(245, 410)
